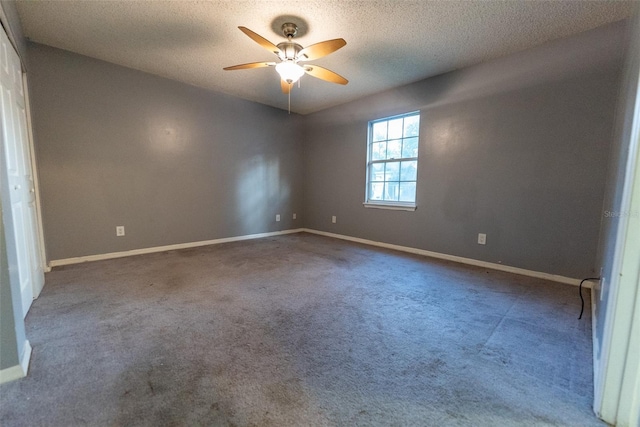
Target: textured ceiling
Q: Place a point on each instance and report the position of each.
(389, 43)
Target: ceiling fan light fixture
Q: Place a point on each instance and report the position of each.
(289, 71)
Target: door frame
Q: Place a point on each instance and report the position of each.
(36, 182)
(617, 374)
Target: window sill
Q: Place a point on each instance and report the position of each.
(395, 207)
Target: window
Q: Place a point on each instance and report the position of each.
(392, 162)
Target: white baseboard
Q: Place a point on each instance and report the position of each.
(462, 260)
(111, 255)
(17, 371)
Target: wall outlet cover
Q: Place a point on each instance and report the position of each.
(278, 217)
(120, 230)
(333, 219)
(482, 239)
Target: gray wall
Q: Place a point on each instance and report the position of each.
(515, 148)
(171, 162)
(11, 324)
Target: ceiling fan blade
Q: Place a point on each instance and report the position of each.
(286, 87)
(250, 65)
(324, 74)
(321, 49)
(261, 40)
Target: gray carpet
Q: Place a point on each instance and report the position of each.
(301, 330)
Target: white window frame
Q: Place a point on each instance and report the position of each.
(389, 204)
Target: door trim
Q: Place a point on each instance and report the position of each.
(36, 182)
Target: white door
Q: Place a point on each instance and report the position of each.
(17, 172)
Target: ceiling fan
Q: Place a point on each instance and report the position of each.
(291, 54)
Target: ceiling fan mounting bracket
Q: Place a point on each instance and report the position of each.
(289, 30)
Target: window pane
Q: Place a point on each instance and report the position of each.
(407, 191)
(393, 151)
(394, 148)
(391, 191)
(411, 126)
(379, 131)
(376, 173)
(395, 129)
(410, 147)
(408, 171)
(375, 190)
(392, 171)
(379, 151)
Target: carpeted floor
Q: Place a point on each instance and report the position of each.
(301, 330)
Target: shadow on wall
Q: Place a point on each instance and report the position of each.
(549, 63)
(260, 189)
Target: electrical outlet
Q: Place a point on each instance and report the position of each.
(278, 217)
(333, 219)
(482, 239)
(120, 230)
(294, 216)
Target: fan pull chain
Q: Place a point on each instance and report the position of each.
(289, 101)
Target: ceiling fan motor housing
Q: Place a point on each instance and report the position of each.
(289, 51)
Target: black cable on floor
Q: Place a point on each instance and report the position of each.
(582, 299)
